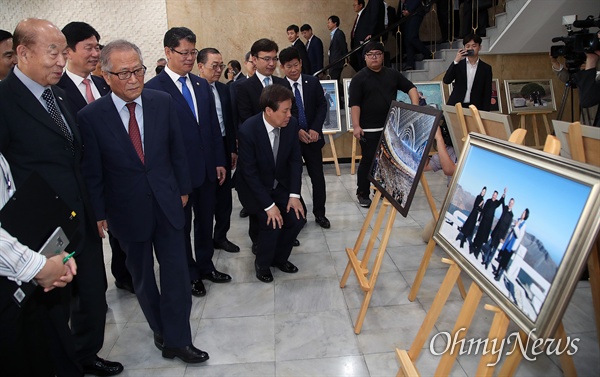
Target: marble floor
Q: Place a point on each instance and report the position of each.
(302, 324)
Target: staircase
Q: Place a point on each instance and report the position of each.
(525, 26)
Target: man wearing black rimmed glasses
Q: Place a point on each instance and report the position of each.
(199, 124)
(136, 169)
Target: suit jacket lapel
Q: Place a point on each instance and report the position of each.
(112, 121)
(66, 112)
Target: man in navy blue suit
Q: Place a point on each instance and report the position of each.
(269, 183)
(83, 54)
(314, 48)
(210, 65)
(195, 106)
(310, 110)
(293, 35)
(138, 179)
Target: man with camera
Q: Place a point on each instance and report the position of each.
(588, 80)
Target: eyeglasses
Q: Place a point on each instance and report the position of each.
(193, 52)
(218, 66)
(124, 75)
(290, 66)
(374, 55)
(269, 59)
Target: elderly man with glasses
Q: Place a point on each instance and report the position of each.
(196, 111)
(372, 91)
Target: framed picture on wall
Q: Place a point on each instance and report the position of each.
(496, 97)
(347, 101)
(333, 121)
(403, 151)
(508, 222)
(431, 93)
(529, 96)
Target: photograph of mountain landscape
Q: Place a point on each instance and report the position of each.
(512, 222)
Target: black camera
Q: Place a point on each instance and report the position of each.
(577, 43)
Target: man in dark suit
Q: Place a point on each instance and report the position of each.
(472, 77)
(8, 58)
(210, 65)
(311, 108)
(369, 22)
(82, 87)
(337, 49)
(499, 232)
(136, 169)
(38, 133)
(269, 183)
(293, 35)
(264, 56)
(314, 48)
(195, 106)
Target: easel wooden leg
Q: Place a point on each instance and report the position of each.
(429, 197)
(495, 336)
(460, 328)
(566, 361)
(512, 361)
(354, 156)
(333, 157)
(416, 285)
(536, 134)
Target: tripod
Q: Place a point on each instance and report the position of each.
(570, 85)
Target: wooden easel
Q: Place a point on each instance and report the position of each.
(360, 266)
(333, 154)
(533, 117)
(354, 155)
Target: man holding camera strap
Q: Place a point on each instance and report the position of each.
(472, 77)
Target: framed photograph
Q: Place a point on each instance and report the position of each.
(532, 96)
(347, 101)
(431, 93)
(520, 223)
(496, 97)
(333, 121)
(403, 151)
(561, 129)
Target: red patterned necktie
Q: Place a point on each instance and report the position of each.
(134, 131)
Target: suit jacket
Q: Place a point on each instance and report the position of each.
(257, 169)
(481, 92)
(315, 54)
(247, 96)
(337, 48)
(299, 45)
(76, 100)
(122, 188)
(31, 141)
(228, 118)
(203, 140)
(315, 104)
(371, 22)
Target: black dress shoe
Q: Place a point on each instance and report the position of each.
(198, 289)
(158, 341)
(101, 367)
(227, 245)
(254, 248)
(296, 243)
(322, 221)
(288, 267)
(216, 277)
(263, 275)
(244, 213)
(188, 354)
(125, 285)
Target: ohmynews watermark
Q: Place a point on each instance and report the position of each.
(496, 347)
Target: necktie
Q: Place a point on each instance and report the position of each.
(134, 131)
(275, 150)
(187, 94)
(300, 105)
(354, 26)
(267, 81)
(89, 96)
(55, 114)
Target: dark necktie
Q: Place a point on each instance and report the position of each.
(55, 114)
(354, 26)
(300, 105)
(275, 149)
(134, 131)
(187, 94)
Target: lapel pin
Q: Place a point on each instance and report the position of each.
(60, 98)
(197, 83)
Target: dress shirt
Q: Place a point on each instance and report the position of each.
(356, 21)
(78, 81)
(37, 90)
(219, 108)
(308, 42)
(261, 78)
(17, 261)
(124, 113)
(299, 82)
(270, 128)
(175, 77)
(471, 70)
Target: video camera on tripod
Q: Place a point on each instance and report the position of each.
(576, 43)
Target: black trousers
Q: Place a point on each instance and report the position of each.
(202, 202)
(369, 148)
(223, 205)
(117, 262)
(313, 159)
